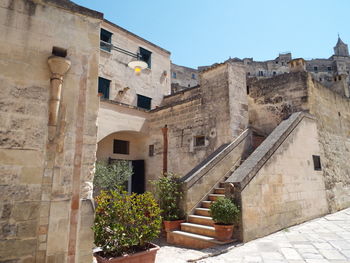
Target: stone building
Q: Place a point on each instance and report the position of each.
(272, 135)
(49, 54)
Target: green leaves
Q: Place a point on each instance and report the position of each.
(110, 176)
(169, 194)
(224, 211)
(125, 223)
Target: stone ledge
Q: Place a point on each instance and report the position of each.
(246, 172)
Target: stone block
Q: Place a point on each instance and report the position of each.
(23, 211)
(31, 175)
(14, 248)
(27, 229)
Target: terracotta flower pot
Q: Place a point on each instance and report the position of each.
(147, 256)
(223, 232)
(172, 225)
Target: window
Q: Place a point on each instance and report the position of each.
(248, 73)
(103, 87)
(174, 75)
(145, 55)
(151, 150)
(121, 147)
(274, 73)
(320, 79)
(105, 40)
(282, 63)
(317, 162)
(315, 69)
(261, 73)
(199, 140)
(248, 90)
(144, 102)
(193, 76)
(329, 68)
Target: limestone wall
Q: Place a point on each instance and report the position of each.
(275, 99)
(183, 77)
(153, 82)
(333, 120)
(278, 184)
(39, 221)
(216, 110)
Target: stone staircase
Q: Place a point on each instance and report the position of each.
(199, 232)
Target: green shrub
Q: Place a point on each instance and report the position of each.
(224, 211)
(111, 176)
(170, 194)
(125, 223)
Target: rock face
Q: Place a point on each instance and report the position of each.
(43, 215)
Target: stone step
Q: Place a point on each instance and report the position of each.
(190, 240)
(222, 185)
(219, 191)
(202, 211)
(201, 220)
(198, 229)
(214, 197)
(206, 204)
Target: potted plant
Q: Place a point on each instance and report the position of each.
(224, 213)
(170, 194)
(125, 225)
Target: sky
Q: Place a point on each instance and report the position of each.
(203, 32)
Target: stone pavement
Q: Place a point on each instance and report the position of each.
(321, 240)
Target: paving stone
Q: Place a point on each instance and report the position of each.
(332, 254)
(323, 240)
(290, 253)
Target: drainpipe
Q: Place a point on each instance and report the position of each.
(165, 149)
(59, 67)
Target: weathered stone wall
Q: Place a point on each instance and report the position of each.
(275, 99)
(153, 82)
(183, 78)
(216, 110)
(333, 120)
(39, 178)
(279, 186)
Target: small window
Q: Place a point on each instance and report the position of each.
(329, 68)
(199, 140)
(274, 73)
(145, 55)
(105, 40)
(121, 147)
(103, 87)
(276, 61)
(248, 74)
(144, 102)
(317, 162)
(248, 90)
(315, 69)
(261, 73)
(282, 63)
(320, 79)
(151, 150)
(193, 76)
(174, 75)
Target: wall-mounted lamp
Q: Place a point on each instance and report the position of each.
(137, 65)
